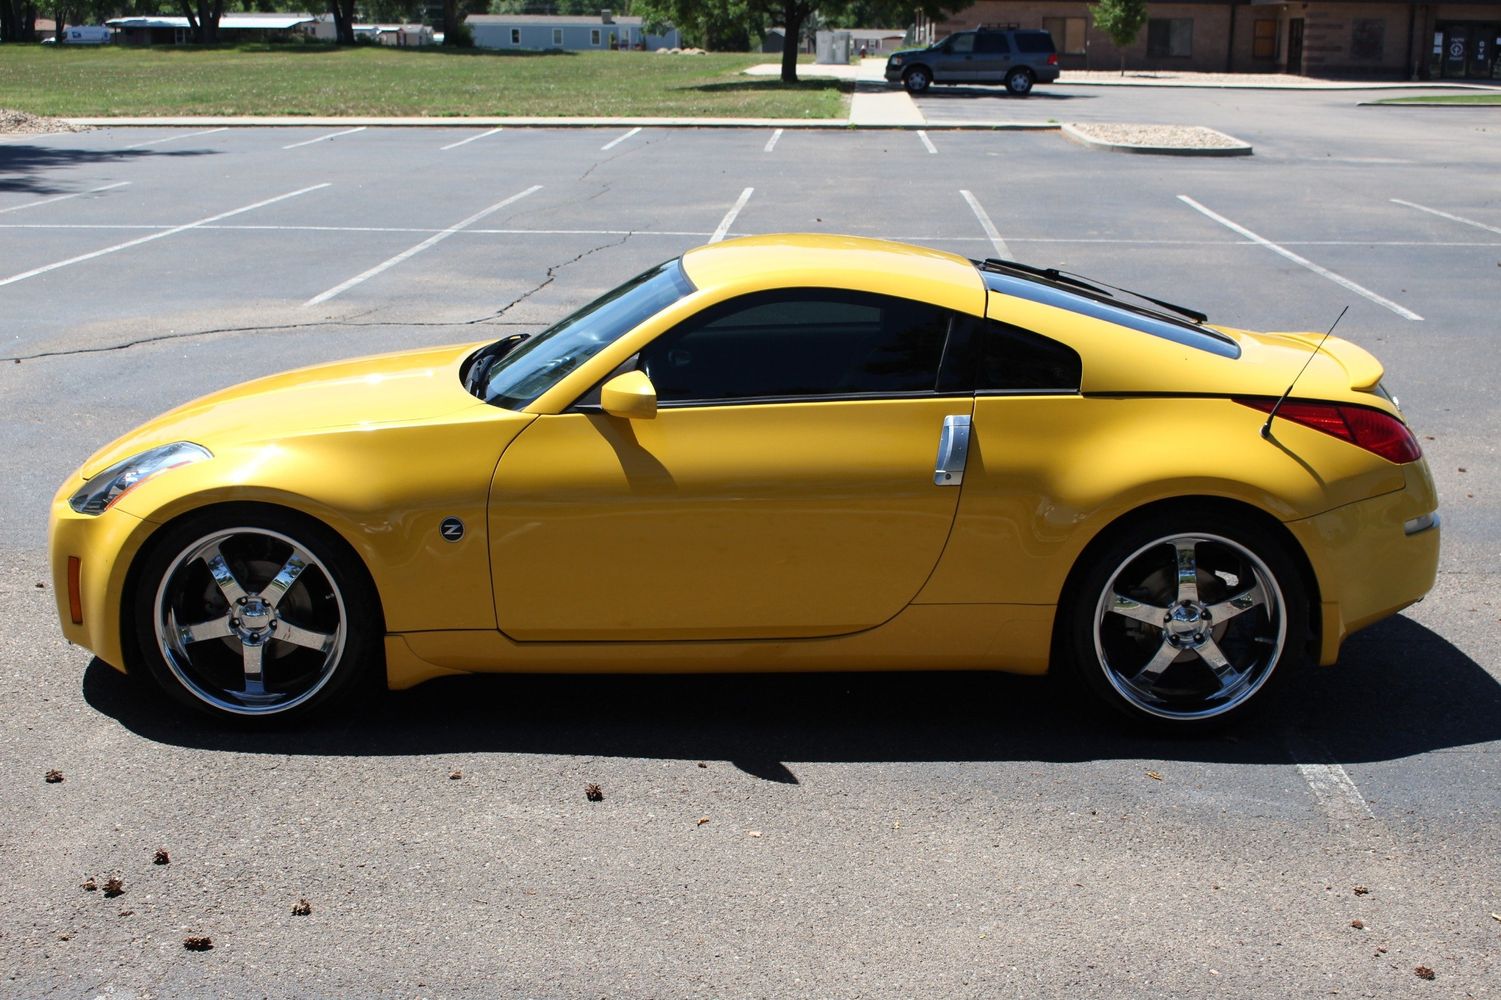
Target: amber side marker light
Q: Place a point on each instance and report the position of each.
(1377, 432)
(75, 593)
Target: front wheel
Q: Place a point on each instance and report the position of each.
(251, 613)
(916, 79)
(1019, 82)
(1182, 621)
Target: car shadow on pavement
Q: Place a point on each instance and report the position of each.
(1398, 691)
(999, 93)
(22, 166)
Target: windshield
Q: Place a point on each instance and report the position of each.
(538, 363)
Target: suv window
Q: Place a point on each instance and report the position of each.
(798, 343)
(960, 44)
(1034, 41)
(991, 44)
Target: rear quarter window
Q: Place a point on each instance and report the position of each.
(1038, 41)
(1014, 360)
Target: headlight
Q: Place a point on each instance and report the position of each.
(894, 61)
(96, 495)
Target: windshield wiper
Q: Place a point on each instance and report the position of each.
(485, 359)
(1088, 284)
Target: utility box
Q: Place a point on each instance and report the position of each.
(832, 47)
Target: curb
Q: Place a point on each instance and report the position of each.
(1073, 134)
(1421, 104)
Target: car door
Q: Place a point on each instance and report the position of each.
(785, 488)
(992, 57)
(955, 61)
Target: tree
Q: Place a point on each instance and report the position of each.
(17, 20)
(343, 12)
(1122, 21)
(204, 20)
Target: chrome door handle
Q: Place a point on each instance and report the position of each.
(953, 450)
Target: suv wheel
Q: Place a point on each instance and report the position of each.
(916, 79)
(1019, 82)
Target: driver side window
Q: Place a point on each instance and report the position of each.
(800, 343)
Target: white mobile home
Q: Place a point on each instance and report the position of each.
(540, 32)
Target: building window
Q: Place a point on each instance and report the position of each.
(1367, 39)
(1067, 32)
(515, 36)
(1264, 39)
(1170, 37)
(557, 38)
(594, 37)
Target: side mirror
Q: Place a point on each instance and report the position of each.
(630, 395)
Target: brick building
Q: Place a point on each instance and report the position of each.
(1330, 38)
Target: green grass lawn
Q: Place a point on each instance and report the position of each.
(1446, 99)
(74, 81)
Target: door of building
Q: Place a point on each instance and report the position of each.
(1295, 45)
(1466, 51)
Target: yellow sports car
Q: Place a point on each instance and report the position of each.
(776, 453)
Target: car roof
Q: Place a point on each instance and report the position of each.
(816, 260)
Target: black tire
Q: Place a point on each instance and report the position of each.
(1019, 82)
(917, 79)
(254, 613)
(1181, 652)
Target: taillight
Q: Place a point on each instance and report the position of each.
(1052, 59)
(1374, 430)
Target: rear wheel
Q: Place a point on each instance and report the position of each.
(916, 79)
(1019, 82)
(1183, 621)
(251, 613)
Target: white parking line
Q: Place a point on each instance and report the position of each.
(159, 235)
(991, 232)
(64, 197)
(919, 238)
(617, 141)
(174, 138)
(331, 135)
(1446, 215)
(772, 142)
(1323, 272)
(729, 217)
(1332, 786)
(461, 142)
(921, 134)
(414, 251)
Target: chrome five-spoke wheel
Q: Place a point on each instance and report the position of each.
(1187, 625)
(252, 618)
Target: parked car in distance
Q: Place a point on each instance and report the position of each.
(83, 34)
(728, 464)
(1020, 58)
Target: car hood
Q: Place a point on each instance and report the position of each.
(378, 390)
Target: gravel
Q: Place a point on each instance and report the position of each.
(1162, 136)
(19, 122)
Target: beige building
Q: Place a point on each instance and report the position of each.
(1330, 38)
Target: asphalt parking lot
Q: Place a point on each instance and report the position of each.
(900, 835)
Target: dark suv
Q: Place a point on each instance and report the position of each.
(1017, 57)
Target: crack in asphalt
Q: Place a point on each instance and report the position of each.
(489, 319)
(552, 273)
